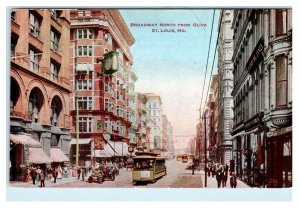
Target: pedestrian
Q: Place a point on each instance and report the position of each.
(38, 173)
(33, 174)
(193, 168)
(78, 173)
(224, 179)
(55, 174)
(83, 173)
(42, 178)
(213, 170)
(219, 177)
(232, 180)
(27, 175)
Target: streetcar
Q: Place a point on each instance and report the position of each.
(184, 158)
(148, 167)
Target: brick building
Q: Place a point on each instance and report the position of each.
(105, 99)
(39, 88)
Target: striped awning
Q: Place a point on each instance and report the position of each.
(81, 141)
(57, 155)
(101, 153)
(38, 156)
(24, 139)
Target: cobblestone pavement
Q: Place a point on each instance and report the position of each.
(177, 177)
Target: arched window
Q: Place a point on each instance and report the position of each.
(281, 81)
(36, 100)
(15, 93)
(56, 108)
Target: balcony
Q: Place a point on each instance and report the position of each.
(91, 22)
(37, 43)
(15, 28)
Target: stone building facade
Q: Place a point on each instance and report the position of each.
(262, 124)
(225, 100)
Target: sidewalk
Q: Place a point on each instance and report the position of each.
(48, 183)
(212, 182)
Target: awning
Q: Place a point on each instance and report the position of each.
(56, 130)
(101, 153)
(37, 127)
(81, 141)
(57, 155)
(252, 131)
(121, 148)
(38, 156)
(238, 134)
(24, 139)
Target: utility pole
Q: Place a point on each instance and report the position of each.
(205, 151)
(77, 128)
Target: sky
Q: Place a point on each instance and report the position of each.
(173, 65)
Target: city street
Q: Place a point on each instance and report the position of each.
(177, 177)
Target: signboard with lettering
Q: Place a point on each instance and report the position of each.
(256, 56)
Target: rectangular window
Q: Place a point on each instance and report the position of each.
(54, 40)
(108, 38)
(85, 103)
(54, 71)
(107, 105)
(34, 61)
(85, 124)
(54, 140)
(84, 33)
(56, 14)
(34, 25)
(84, 85)
(281, 22)
(281, 81)
(84, 51)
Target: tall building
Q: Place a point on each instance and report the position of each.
(103, 83)
(262, 125)
(141, 121)
(210, 123)
(225, 100)
(170, 140)
(164, 133)
(154, 108)
(39, 89)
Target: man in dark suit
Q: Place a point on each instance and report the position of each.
(55, 174)
(33, 174)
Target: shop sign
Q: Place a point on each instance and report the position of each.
(256, 56)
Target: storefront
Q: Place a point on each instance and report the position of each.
(20, 146)
(86, 151)
(279, 155)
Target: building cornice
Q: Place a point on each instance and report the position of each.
(122, 26)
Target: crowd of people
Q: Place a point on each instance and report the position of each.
(36, 174)
(221, 172)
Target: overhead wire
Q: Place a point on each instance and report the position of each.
(211, 72)
(207, 59)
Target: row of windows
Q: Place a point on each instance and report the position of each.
(34, 65)
(84, 85)
(34, 29)
(111, 125)
(85, 103)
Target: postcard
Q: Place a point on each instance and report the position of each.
(184, 101)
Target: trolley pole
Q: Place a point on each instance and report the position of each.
(205, 152)
(77, 128)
